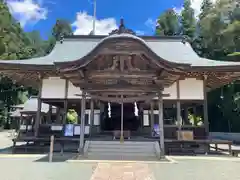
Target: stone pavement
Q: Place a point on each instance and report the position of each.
(192, 168)
(122, 171)
(36, 167)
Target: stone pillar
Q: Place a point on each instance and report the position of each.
(82, 133)
(152, 116)
(39, 107)
(161, 125)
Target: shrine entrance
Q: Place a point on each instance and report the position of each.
(112, 117)
(121, 70)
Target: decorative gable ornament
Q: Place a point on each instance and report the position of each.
(122, 29)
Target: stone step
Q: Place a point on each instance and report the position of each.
(110, 146)
(128, 154)
(122, 143)
(125, 150)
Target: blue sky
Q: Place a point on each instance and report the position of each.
(139, 15)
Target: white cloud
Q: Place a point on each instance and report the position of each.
(151, 23)
(140, 33)
(27, 11)
(84, 25)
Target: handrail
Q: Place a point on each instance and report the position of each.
(157, 149)
(86, 145)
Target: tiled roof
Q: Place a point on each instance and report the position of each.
(31, 105)
(170, 49)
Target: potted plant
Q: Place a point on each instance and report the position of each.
(72, 117)
(195, 120)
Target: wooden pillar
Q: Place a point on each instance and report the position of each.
(58, 115)
(121, 137)
(82, 131)
(39, 107)
(91, 115)
(186, 114)
(65, 102)
(205, 106)
(179, 120)
(161, 126)
(152, 115)
(49, 114)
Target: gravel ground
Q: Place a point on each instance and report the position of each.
(5, 141)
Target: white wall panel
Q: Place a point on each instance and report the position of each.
(172, 91)
(72, 91)
(191, 89)
(53, 88)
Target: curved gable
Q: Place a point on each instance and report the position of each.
(121, 44)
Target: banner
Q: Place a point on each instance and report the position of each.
(155, 131)
(69, 129)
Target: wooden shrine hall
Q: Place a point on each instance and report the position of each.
(123, 86)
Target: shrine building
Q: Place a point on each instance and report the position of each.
(122, 86)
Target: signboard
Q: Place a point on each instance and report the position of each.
(69, 129)
(77, 130)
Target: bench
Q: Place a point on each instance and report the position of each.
(192, 145)
(235, 150)
(42, 143)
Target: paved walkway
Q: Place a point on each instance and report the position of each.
(120, 171)
(185, 168)
(28, 167)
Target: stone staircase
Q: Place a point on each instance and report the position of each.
(128, 150)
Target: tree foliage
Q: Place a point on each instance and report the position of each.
(15, 44)
(188, 21)
(214, 34)
(61, 28)
(168, 24)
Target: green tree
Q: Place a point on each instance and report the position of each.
(14, 44)
(168, 24)
(188, 22)
(61, 28)
(206, 7)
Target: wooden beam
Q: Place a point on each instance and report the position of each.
(118, 87)
(119, 74)
(125, 100)
(130, 89)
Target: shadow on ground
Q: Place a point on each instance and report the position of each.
(57, 158)
(6, 150)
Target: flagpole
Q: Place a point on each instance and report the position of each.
(94, 15)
